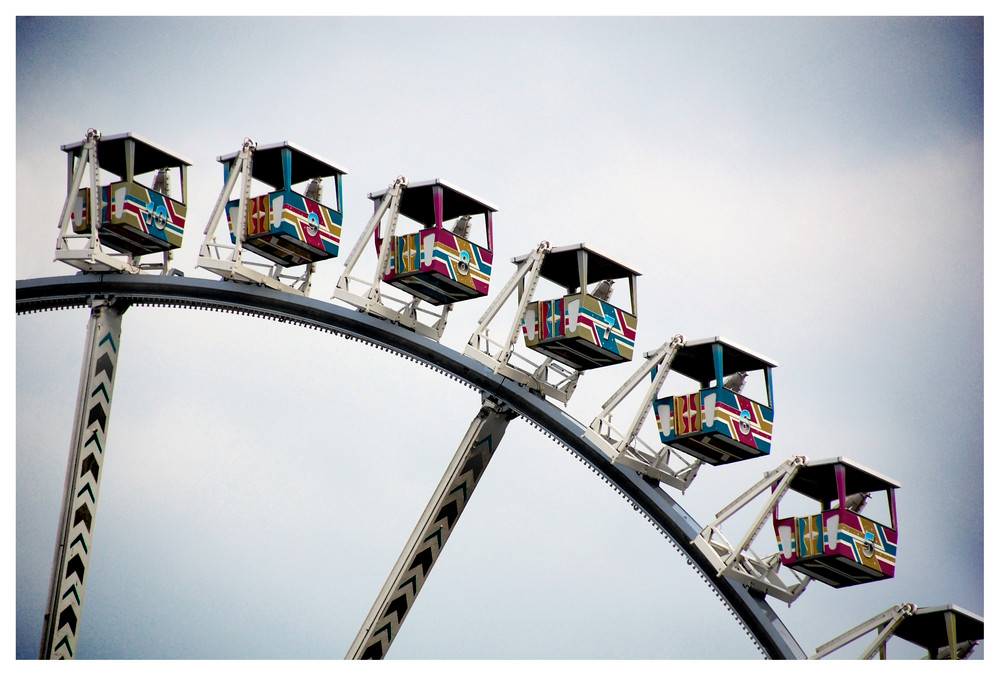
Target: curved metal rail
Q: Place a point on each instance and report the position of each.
(749, 608)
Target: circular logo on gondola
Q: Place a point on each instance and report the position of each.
(745, 422)
(157, 216)
(463, 263)
(868, 549)
(312, 227)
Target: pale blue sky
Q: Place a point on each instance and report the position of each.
(811, 188)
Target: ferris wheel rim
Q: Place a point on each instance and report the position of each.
(750, 609)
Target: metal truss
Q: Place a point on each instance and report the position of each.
(946, 632)
(624, 446)
(368, 296)
(548, 377)
(740, 563)
(84, 251)
(226, 258)
(884, 624)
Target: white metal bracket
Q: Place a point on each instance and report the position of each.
(368, 296)
(548, 377)
(888, 623)
(624, 446)
(84, 250)
(739, 562)
(884, 624)
(226, 258)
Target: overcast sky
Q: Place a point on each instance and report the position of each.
(811, 188)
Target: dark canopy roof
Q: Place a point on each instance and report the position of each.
(417, 202)
(305, 165)
(694, 360)
(560, 266)
(111, 154)
(817, 479)
(928, 627)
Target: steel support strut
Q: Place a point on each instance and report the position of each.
(82, 487)
(432, 531)
(625, 446)
(885, 624)
(91, 256)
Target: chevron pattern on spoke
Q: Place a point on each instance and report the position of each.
(66, 600)
(445, 513)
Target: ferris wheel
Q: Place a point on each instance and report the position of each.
(711, 399)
